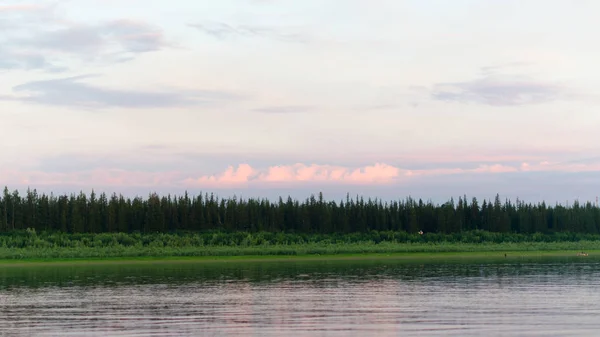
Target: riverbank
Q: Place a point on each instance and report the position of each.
(224, 246)
(413, 252)
(418, 257)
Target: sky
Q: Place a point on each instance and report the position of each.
(261, 98)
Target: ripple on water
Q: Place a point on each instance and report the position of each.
(536, 299)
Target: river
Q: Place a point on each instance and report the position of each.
(506, 297)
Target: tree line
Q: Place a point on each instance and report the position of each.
(102, 213)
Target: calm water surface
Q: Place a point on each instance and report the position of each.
(534, 297)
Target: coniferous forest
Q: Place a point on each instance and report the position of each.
(101, 213)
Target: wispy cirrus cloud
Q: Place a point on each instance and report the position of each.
(495, 69)
(222, 31)
(36, 37)
(74, 92)
(25, 60)
(497, 90)
(113, 37)
(15, 20)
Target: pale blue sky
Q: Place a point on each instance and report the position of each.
(387, 98)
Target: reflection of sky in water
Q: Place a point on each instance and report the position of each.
(343, 298)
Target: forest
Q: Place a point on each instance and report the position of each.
(102, 213)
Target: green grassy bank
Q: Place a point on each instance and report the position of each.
(48, 246)
(411, 257)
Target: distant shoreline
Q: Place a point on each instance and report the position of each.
(429, 257)
(110, 213)
(230, 246)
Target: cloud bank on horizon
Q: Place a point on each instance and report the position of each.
(268, 98)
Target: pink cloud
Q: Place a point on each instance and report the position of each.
(244, 174)
(496, 168)
(327, 173)
(298, 173)
(278, 173)
(230, 176)
(376, 173)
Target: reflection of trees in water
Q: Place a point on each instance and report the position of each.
(315, 274)
(298, 298)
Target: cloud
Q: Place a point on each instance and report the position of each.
(114, 37)
(37, 37)
(285, 109)
(242, 174)
(17, 20)
(499, 91)
(26, 60)
(222, 31)
(296, 175)
(503, 67)
(379, 173)
(155, 156)
(73, 92)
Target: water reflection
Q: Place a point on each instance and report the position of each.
(525, 297)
